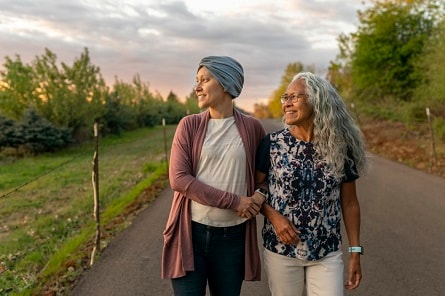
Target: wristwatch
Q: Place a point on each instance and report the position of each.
(262, 191)
(357, 249)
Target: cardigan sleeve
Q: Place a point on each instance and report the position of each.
(188, 137)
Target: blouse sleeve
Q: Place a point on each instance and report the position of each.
(350, 170)
(263, 155)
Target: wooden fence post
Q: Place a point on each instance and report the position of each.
(165, 142)
(433, 156)
(95, 180)
(355, 114)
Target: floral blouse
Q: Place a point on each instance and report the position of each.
(301, 188)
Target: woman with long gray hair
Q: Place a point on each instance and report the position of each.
(310, 167)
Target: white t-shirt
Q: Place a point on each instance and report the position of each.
(222, 165)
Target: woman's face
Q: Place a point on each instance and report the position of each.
(209, 91)
(298, 112)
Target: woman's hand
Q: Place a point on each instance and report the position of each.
(286, 231)
(249, 207)
(355, 272)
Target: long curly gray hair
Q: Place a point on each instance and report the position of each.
(337, 137)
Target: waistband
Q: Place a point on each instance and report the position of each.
(203, 227)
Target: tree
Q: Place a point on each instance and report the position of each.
(73, 96)
(191, 103)
(389, 40)
(145, 107)
(431, 92)
(52, 89)
(18, 87)
(174, 110)
(261, 111)
(87, 93)
(117, 117)
(432, 65)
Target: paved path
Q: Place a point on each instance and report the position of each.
(403, 231)
(130, 265)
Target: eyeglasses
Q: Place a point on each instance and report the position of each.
(293, 98)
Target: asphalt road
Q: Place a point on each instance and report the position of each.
(403, 232)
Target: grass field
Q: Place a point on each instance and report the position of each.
(47, 224)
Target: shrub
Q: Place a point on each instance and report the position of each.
(9, 133)
(39, 135)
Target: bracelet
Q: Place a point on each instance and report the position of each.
(357, 249)
(263, 192)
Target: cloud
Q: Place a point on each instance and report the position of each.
(163, 41)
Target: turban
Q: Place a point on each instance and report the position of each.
(227, 71)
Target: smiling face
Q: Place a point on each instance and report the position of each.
(299, 113)
(209, 91)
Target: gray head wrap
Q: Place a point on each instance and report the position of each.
(227, 71)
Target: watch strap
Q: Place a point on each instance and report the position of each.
(356, 249)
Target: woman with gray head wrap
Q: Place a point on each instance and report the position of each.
(227, 71)
(210, 235)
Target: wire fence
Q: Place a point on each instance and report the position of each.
(56, 204)
(65, 163)
(36, 178)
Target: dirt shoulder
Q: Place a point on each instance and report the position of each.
(405, 144)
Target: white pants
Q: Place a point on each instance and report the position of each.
(287, 275)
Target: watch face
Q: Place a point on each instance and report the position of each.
(262, 191)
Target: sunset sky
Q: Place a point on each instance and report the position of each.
(163, 40)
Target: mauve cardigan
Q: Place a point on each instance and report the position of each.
(177, 255)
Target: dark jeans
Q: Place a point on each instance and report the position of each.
(219, 259)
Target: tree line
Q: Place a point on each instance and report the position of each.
(392, 67)
(45, 106)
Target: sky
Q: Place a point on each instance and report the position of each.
(163, 41)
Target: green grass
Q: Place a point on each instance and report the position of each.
(48, 222)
